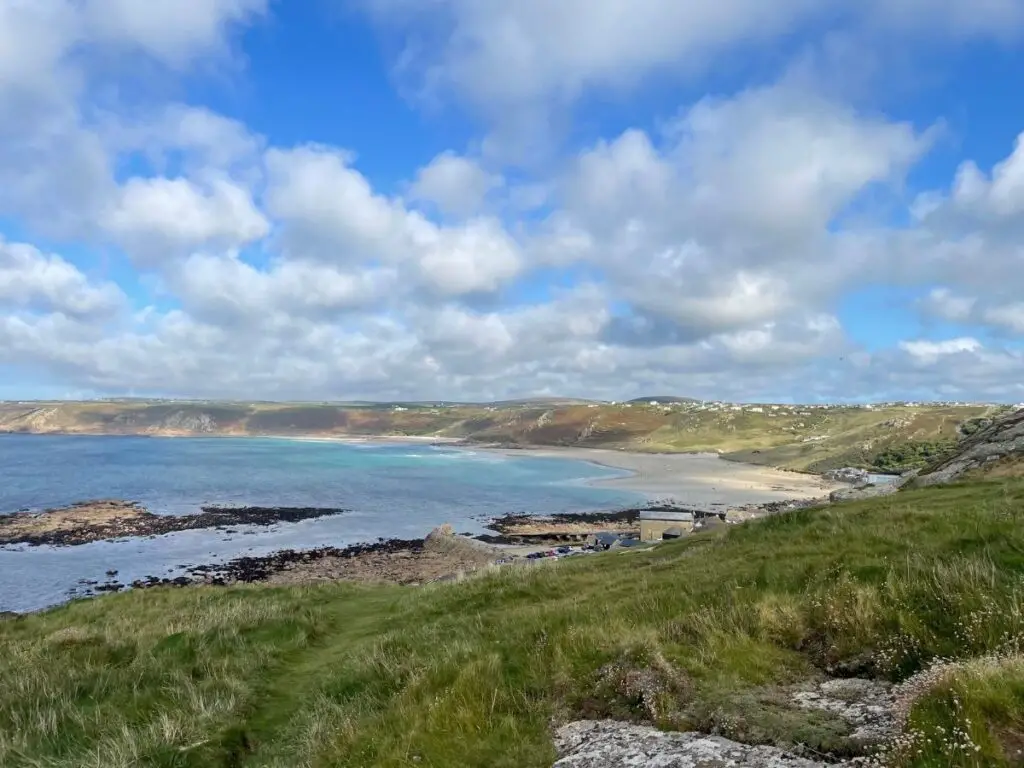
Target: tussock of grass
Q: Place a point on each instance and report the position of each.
(714, 632)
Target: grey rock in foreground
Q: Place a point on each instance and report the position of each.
(611, 744)
(867, 492)
(867, 705)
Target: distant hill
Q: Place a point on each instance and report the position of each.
(806, 438)
(663, 400)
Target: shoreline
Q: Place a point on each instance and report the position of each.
(689, 479)
(685, 477)
(694, 481)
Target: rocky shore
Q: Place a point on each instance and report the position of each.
(441, 556)
(90, 521)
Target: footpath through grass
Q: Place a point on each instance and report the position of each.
(718, 630)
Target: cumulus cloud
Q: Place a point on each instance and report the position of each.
(330, 212)
(228, 289)
(1000, 195)
(160, 217)
(533, 50)
(456, 184)
(931, 351)
(705, 256)
(173, 31)
(30, 279)
(56, 56)
(729, 222)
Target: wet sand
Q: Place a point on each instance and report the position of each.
(694, 479)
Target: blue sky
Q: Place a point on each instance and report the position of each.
(386, 199)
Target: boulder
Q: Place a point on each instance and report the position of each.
(865, 492)
(444, 541)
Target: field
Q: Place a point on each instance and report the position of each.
(806, 438)
(723, 626)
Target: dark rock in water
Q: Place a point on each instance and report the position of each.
(114, 587)
(109, 520)
(111, 573)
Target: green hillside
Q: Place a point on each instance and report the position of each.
(807, 438)
(722, 627)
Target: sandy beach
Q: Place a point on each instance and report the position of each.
(698, 479)
(701, 479)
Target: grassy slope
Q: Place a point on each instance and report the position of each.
(813, 440)
(472, 674)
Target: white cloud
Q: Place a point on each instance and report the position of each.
(226, 288)
(929, 352)
(517, 52)
(1001, 195)
(521, 52)
(173, 31)
(456, 184)
(1003, 315)
(477, 256)
(728, 223)
(329, 209)
(330, 212)
(1007, 316)
(157, 218)
(59, 60)
(30, 279)
(703, 258)
(34, 36)
(943, 303)
(196, 135)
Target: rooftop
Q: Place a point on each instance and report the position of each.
(681, 517)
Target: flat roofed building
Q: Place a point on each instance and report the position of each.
(653, 524)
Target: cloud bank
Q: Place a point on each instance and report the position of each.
(158, 247)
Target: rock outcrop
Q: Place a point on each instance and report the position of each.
(864, 492)
(852, 475)
(611, 744)
(1000, 445)
(90, 521)
(869, 706)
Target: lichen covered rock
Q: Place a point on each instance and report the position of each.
(611, 744)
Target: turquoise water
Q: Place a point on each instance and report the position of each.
(393, 490)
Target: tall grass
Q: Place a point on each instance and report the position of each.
(714, 632)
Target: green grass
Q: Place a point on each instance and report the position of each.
(973, 712)
(713, 632)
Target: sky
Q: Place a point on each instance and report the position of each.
(795, 201)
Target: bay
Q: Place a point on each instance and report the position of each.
(393, 490)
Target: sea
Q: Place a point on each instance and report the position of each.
(391, 490)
